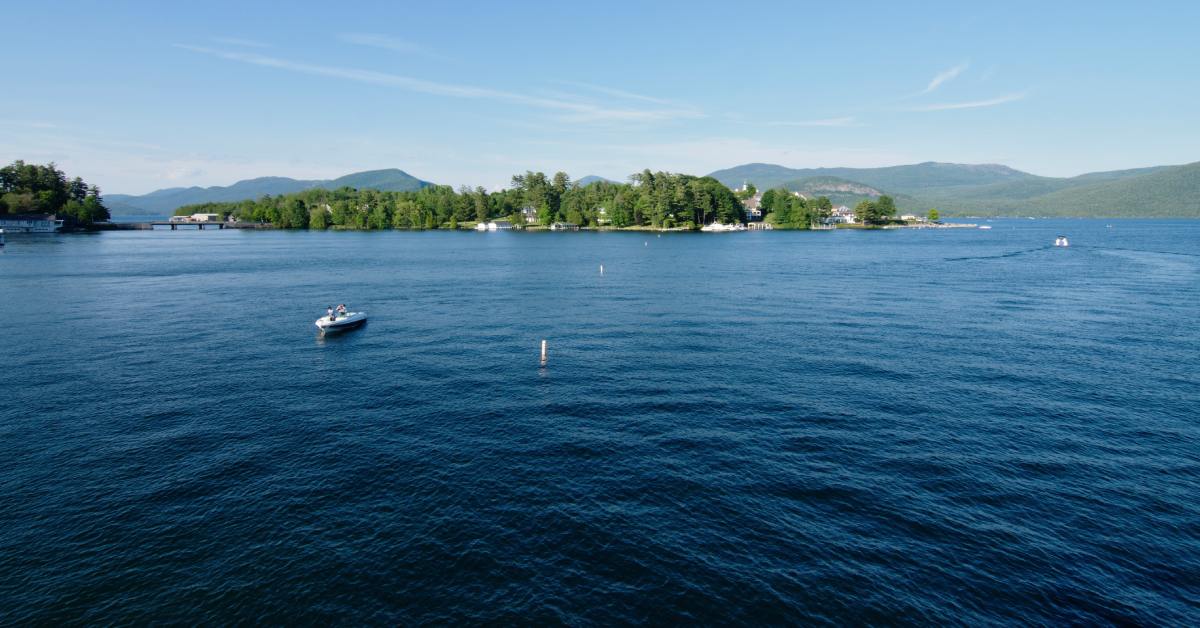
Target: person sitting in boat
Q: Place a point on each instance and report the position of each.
(341, 310)
(329, 312)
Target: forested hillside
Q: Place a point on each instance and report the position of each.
(654, 199)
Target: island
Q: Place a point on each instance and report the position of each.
(535, 201)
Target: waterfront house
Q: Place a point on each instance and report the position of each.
(206, 218)
(753, 207)
(530, 214)
(841, 215)
(30, 223)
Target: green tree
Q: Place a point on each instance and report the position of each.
(934, 216)
(318, 218)
(378, 217)
(864, 212)
(885, 208)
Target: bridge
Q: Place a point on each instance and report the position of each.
(146, 226)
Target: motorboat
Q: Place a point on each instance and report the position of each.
(341, 322)
(985, 226)
(719, 227)
(1061, 241)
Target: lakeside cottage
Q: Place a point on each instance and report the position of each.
(30, 223)
(840, 215)
(753, 207)
(530, 214)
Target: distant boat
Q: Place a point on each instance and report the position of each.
(349, 320)
(985, 226)
(719, 227)
(1, 237)
(1061, 241)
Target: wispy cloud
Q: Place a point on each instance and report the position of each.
(946, 76)
(387, 43)
(844, 121)
(972, 104)
(570, 110)
(238, 41)
(619, 93)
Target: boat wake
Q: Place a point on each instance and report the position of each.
(1000, 255)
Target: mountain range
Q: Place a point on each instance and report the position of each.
(166, 200)
(992, 189)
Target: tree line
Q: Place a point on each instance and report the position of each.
(787, 210)
(33, 188)
(650, 199)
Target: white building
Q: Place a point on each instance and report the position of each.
(841, 215)
(30, 223)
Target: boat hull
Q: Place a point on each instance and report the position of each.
(353, 320)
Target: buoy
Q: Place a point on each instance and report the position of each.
(602, 269)
(543, 352)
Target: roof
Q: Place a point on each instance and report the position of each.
(28, 217)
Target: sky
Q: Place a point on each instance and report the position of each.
(137, 96)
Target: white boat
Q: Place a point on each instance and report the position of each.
(1, 237)
(985, 226)
(341, 322)
(1061, 241)
(718, 227)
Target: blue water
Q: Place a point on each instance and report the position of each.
(955, 426)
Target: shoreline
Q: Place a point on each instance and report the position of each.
(470, 227)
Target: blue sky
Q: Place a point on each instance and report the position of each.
(139, 96)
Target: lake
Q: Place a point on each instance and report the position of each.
(910, 426)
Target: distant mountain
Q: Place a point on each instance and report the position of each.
(1163, 192)
(166, 200)
(838, 190)
(1159, 191)
(591, 178)
(389, 180)
(895, 179)
(995, 190)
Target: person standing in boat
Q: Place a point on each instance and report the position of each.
(341, 309)
(329, 312)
